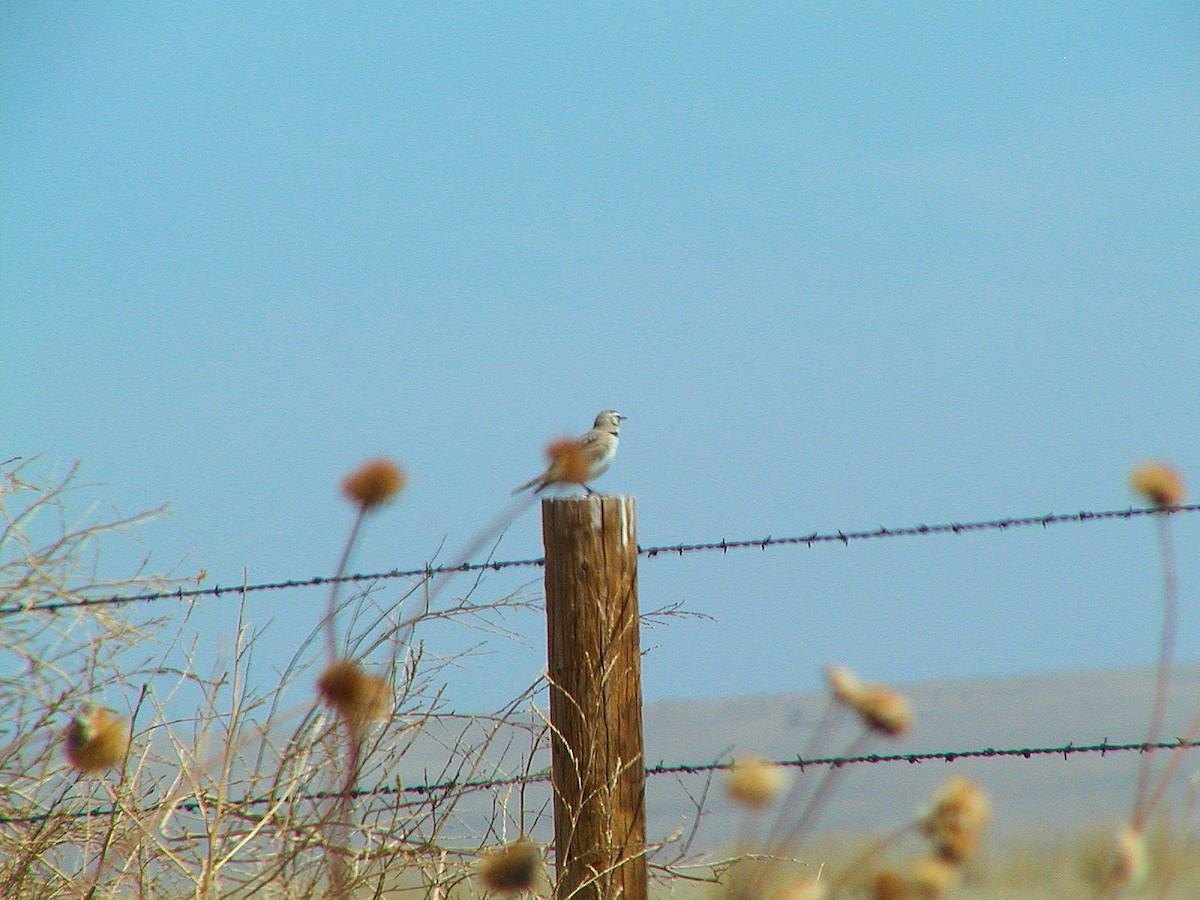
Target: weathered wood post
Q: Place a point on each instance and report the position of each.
(593, 648)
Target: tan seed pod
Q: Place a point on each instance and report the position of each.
(956, 818)
(880, 707)
(753, 782)
(890, 885)
(356, 696)
(1159, 482)
(96, 739)
(1130, 860)
(844, 684)
(374, 483)
(884, 710)
(800, 889)
(932, 878)
(511, 869)
(956, 846)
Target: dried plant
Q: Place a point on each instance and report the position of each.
(1127, 865)
(128, 767)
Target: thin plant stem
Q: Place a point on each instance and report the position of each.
(820, 796)
(402, 631)
(1189, 809)
(825, 727)
(330, 625)
(777, 846)
(1163, 678)
(873, 849)
(1172, 768)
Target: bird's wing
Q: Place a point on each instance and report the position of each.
(594, 442)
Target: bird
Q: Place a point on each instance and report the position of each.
(582, 460)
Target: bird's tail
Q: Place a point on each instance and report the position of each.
(530, 483)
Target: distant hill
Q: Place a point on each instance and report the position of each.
(1053, 709)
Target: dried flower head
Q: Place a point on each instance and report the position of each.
(356, 696)
(933, 878)
(511, 869)
(885, 710)
(1160, 483)
(374, 483)
(803, 888)
(97, 739)
(880, 707)
(753, 782)
(1129, 860)
(843, 683)
(956, 818)
(957, 846)
(890, 885)
(747, 878)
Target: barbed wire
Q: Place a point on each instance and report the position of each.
(428, 571)
(845, 537)
(452, 786)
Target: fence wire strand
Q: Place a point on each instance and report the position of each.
(462, 787)
(427, 571)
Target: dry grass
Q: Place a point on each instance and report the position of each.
(1062, 866)
(224, 789)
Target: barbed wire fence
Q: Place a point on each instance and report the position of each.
(452, 786)
(680, 549)
(543, 776)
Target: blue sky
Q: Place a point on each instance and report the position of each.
(841, 268)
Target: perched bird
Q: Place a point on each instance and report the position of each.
(583, 460)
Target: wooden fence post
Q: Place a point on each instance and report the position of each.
(593, 648)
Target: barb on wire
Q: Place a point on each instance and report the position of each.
(845, 537)
(1103, 749)
(842, 537)
(452, 786)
